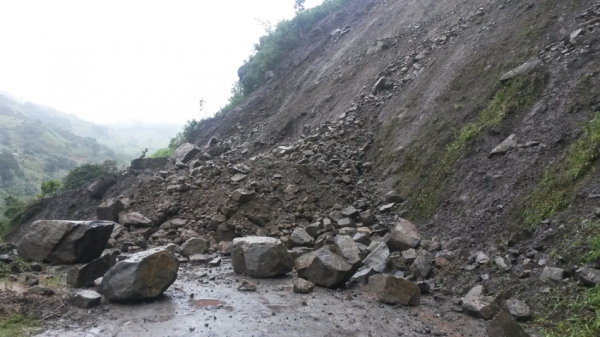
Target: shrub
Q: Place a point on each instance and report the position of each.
(166, 152)
(50, 188)
(86, 173)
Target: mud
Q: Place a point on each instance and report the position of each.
(204, 301)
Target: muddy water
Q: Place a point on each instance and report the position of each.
(205, 302)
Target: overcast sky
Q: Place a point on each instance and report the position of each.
(109, 61)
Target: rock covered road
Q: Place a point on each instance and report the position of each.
(205, 301)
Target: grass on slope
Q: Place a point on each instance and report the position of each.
(584, 316)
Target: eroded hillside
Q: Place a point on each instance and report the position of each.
(396, 110)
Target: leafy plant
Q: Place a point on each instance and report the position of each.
(50, 188)
(86, 173)
(584, 320)
(594, 254)
(166, 152)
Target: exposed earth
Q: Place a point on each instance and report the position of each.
(441, 150)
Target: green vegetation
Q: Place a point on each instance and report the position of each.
(278, 42)
(594, 254)
(558, 186)
(86, 173)
(50, 188)
(18, 325)
(166, 152)
(513, 97)
(16, 212)
(584, 316)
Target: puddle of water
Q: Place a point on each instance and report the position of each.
(206, 303)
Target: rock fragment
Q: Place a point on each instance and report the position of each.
(395, 290)
(479, 305)
(260, 257)
(324, 268)
(84, 277)
(194, 246)
(403, 236)
(504, 325)
(86, 299)
(302, 286)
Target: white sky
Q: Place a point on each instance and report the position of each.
(109, 61)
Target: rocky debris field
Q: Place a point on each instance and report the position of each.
(239, 235)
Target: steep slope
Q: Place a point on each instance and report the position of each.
(406, 98)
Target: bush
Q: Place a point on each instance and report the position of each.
(166, 152)
(50, 188)
(86, 173)
(17, 212)
(185, 135)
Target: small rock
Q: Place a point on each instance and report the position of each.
(395, 290)
(480, 305)
(504, 325)
(588, 276)
(40, 290)
(247, 286)
(518, 309)
(302, 286)
(551, 273)
(86, 299)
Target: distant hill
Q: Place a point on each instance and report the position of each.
(39, 143)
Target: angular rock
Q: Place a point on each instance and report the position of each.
(40, 290)
(403, 236)
(260, 257)
(507, 145)
(347, 248)
(362, 276)
(397, 262)
(551, 273)
(479, 305)
(367, 218)
(241, 195)
(300, 237)
(518, 309)
(362, 238)
(100, 186)
(378, 257)
(504, 325)
(410, 255)
(313, 229)
(481, 258)
(395, 290)
(144, 275)
(66, 242)
(194, 246)
(421, 267)
(588, 276)
(109, 209)
(525, 68)
(324, 268)
(393, 197)
(216, 151)
(238, 177)
(184, 153)
(85, 276)
(346, 222)
(302, 286)
(349, 211)
(86, 299)
(135, 219)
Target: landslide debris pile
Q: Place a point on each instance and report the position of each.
(279, 195)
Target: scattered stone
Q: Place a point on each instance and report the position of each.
(421, 267)
(588, 276)
(238, 177)
(377, 260)
(367, 218)
(302, 286)
(349, 211)
(346, 222)
(518, 309)
(504, 325)
(403, 236)
(362, 276)
(197, 259)
(501, 263)
(194, 246)
(247, 286)
(507, 145)
(300, 237)
(84, 277)
(215, 262)
(397, 262)
(393, 197)
(409, 255)
(479, 305)
(40, 290)
(347, 248)
(216, 151)
(144, 275)
(241, 195)
(184, 153)
(260, 257)
(386, 208)
(86, 299)
(324, 268)
(65, 242)
(134, 219)
(313, 229)
(481, 258)
(109, 209)
(551, 273)
(395, 290)
(525, 68)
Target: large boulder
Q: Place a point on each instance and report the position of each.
(143, 275)
(194, 246)
(184, 153)
(347, 248)
(84, 277)
(260, 256)
(404, 235)
(65, 242)
(395, 290)
(324, 268)
(97, 188)
(109, 209)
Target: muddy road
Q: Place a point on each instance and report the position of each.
(205, 301)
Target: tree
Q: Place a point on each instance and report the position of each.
(299, 5)
(50, 188)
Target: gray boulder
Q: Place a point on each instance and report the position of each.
(109, 209)
(65, 242)
(79, 277)
(395, 290)
(518, 309)
(184, 153)
(588, 276)
(324, 268)
(86, 299)
(377, 260)
(479, 305)
(552, 273)
(300, 237)
(134, 219)
(144, 275)
(194, 246)
(403, 236)
(259, 256)
(346, 247)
